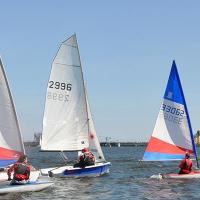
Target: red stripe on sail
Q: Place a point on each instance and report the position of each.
(156, 145)
(9, 154)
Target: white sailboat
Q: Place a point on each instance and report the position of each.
(11, 144)
(67, 122)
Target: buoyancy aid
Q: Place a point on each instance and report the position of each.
(21, 171)
(89, 158)
(21, 168)
(91, 155)
(185, 166)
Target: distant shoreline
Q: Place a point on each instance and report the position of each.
(104, 144)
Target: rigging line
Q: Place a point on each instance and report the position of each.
(67, 64)
(83, 83)
(65, 161)
(64, 157)
(70, 45)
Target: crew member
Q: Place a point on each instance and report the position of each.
(85, 159)
(185, 165)
(21, 170)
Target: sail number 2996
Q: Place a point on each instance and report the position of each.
(57, 85)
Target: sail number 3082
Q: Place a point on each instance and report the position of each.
(62, 86)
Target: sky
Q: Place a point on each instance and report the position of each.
(126, 48)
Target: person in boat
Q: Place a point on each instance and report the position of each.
(21, 170)
(185, 165)
(86, 158)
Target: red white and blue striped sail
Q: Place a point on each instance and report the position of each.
(172, 135)
(11, 145)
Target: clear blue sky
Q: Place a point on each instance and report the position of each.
(126, 47)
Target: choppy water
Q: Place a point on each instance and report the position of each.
(128, 179)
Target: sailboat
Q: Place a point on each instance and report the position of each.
(67, 122)
(172, 136)
(11, 143)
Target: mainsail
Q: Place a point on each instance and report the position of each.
(11, 145)
(172, 135)
(65, 122)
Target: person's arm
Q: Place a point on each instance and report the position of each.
(10, 170)
(81, 157)
(93, 157)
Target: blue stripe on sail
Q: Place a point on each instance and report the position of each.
(154, 156)
(173, 90)
(5, 163)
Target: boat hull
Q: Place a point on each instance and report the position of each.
(29, 187)
(192, 175)
(69, 171)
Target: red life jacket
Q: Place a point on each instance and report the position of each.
(91, 156)
(186, 166)
(87, 156)
(21, 171)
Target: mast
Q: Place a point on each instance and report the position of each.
(83, 86)
(188, 118)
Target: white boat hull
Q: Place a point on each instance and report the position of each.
(33, 175)
(69, 171)
(29, 187)
(192, 175)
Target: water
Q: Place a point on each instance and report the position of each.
(128, 179)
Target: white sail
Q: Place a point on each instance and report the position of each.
(11, 145)
(65, 122)
(94, 144)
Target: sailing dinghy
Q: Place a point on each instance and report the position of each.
(67, 122)
(172, 135)
(11, 144)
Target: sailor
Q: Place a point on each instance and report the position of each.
(85, 159)
(88, 157)
(21, 171)
(185, 165)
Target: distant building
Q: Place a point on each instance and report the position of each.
(35, 142)
(37, 137)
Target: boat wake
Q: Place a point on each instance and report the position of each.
(157, 176)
